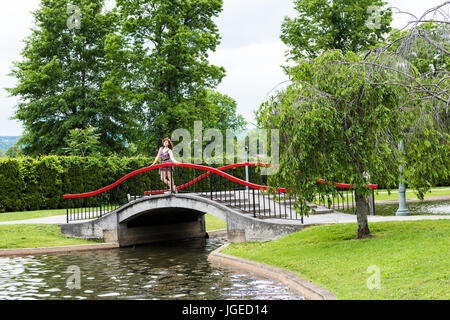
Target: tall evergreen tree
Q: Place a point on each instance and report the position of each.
(347, 25)
(136, 73)
(161, 64)
(61, 78)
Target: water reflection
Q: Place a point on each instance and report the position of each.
(416, 208)
(146, 272)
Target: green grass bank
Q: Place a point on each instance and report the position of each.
(19, 236)
(411, 194)
(412, 258)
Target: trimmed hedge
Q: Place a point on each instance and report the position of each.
(40, 183)
(11, 185)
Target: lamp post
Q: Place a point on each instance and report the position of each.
(402, 208)
(246, 167)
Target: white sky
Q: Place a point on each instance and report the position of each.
(251, 51)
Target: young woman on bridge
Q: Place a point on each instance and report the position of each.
(166, 155)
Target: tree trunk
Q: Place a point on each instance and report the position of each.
(362, 210)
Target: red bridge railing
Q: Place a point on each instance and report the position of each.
(214, 183)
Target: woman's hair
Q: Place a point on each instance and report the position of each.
(170, 143)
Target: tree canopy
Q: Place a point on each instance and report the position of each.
(335, 24)
(83, 142)
(61, 76)
(161, 66)
(136, 73)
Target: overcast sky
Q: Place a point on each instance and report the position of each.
(251, 50)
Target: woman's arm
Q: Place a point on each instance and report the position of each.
(157, 158)
(172, 158)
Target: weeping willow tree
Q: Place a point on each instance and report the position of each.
(343, 116)
(420, 58)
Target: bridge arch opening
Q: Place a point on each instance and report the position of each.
(164, 216)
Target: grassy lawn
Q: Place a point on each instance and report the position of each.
(410, 194)
(213, 223)
(25, 215)
(412, 257)
(35, 236)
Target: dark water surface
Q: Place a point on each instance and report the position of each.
(416, 208)
(161, 272)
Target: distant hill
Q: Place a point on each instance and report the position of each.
(8, 141)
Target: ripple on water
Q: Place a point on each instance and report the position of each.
(441, 207)
(147, 272)
(113, 294)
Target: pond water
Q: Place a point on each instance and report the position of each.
(416, 209)
(160, 272)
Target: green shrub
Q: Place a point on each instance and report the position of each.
(12, 185)
(32, 198)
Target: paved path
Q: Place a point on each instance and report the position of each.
(47, 220)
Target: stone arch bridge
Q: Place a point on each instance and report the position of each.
(134, 211)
